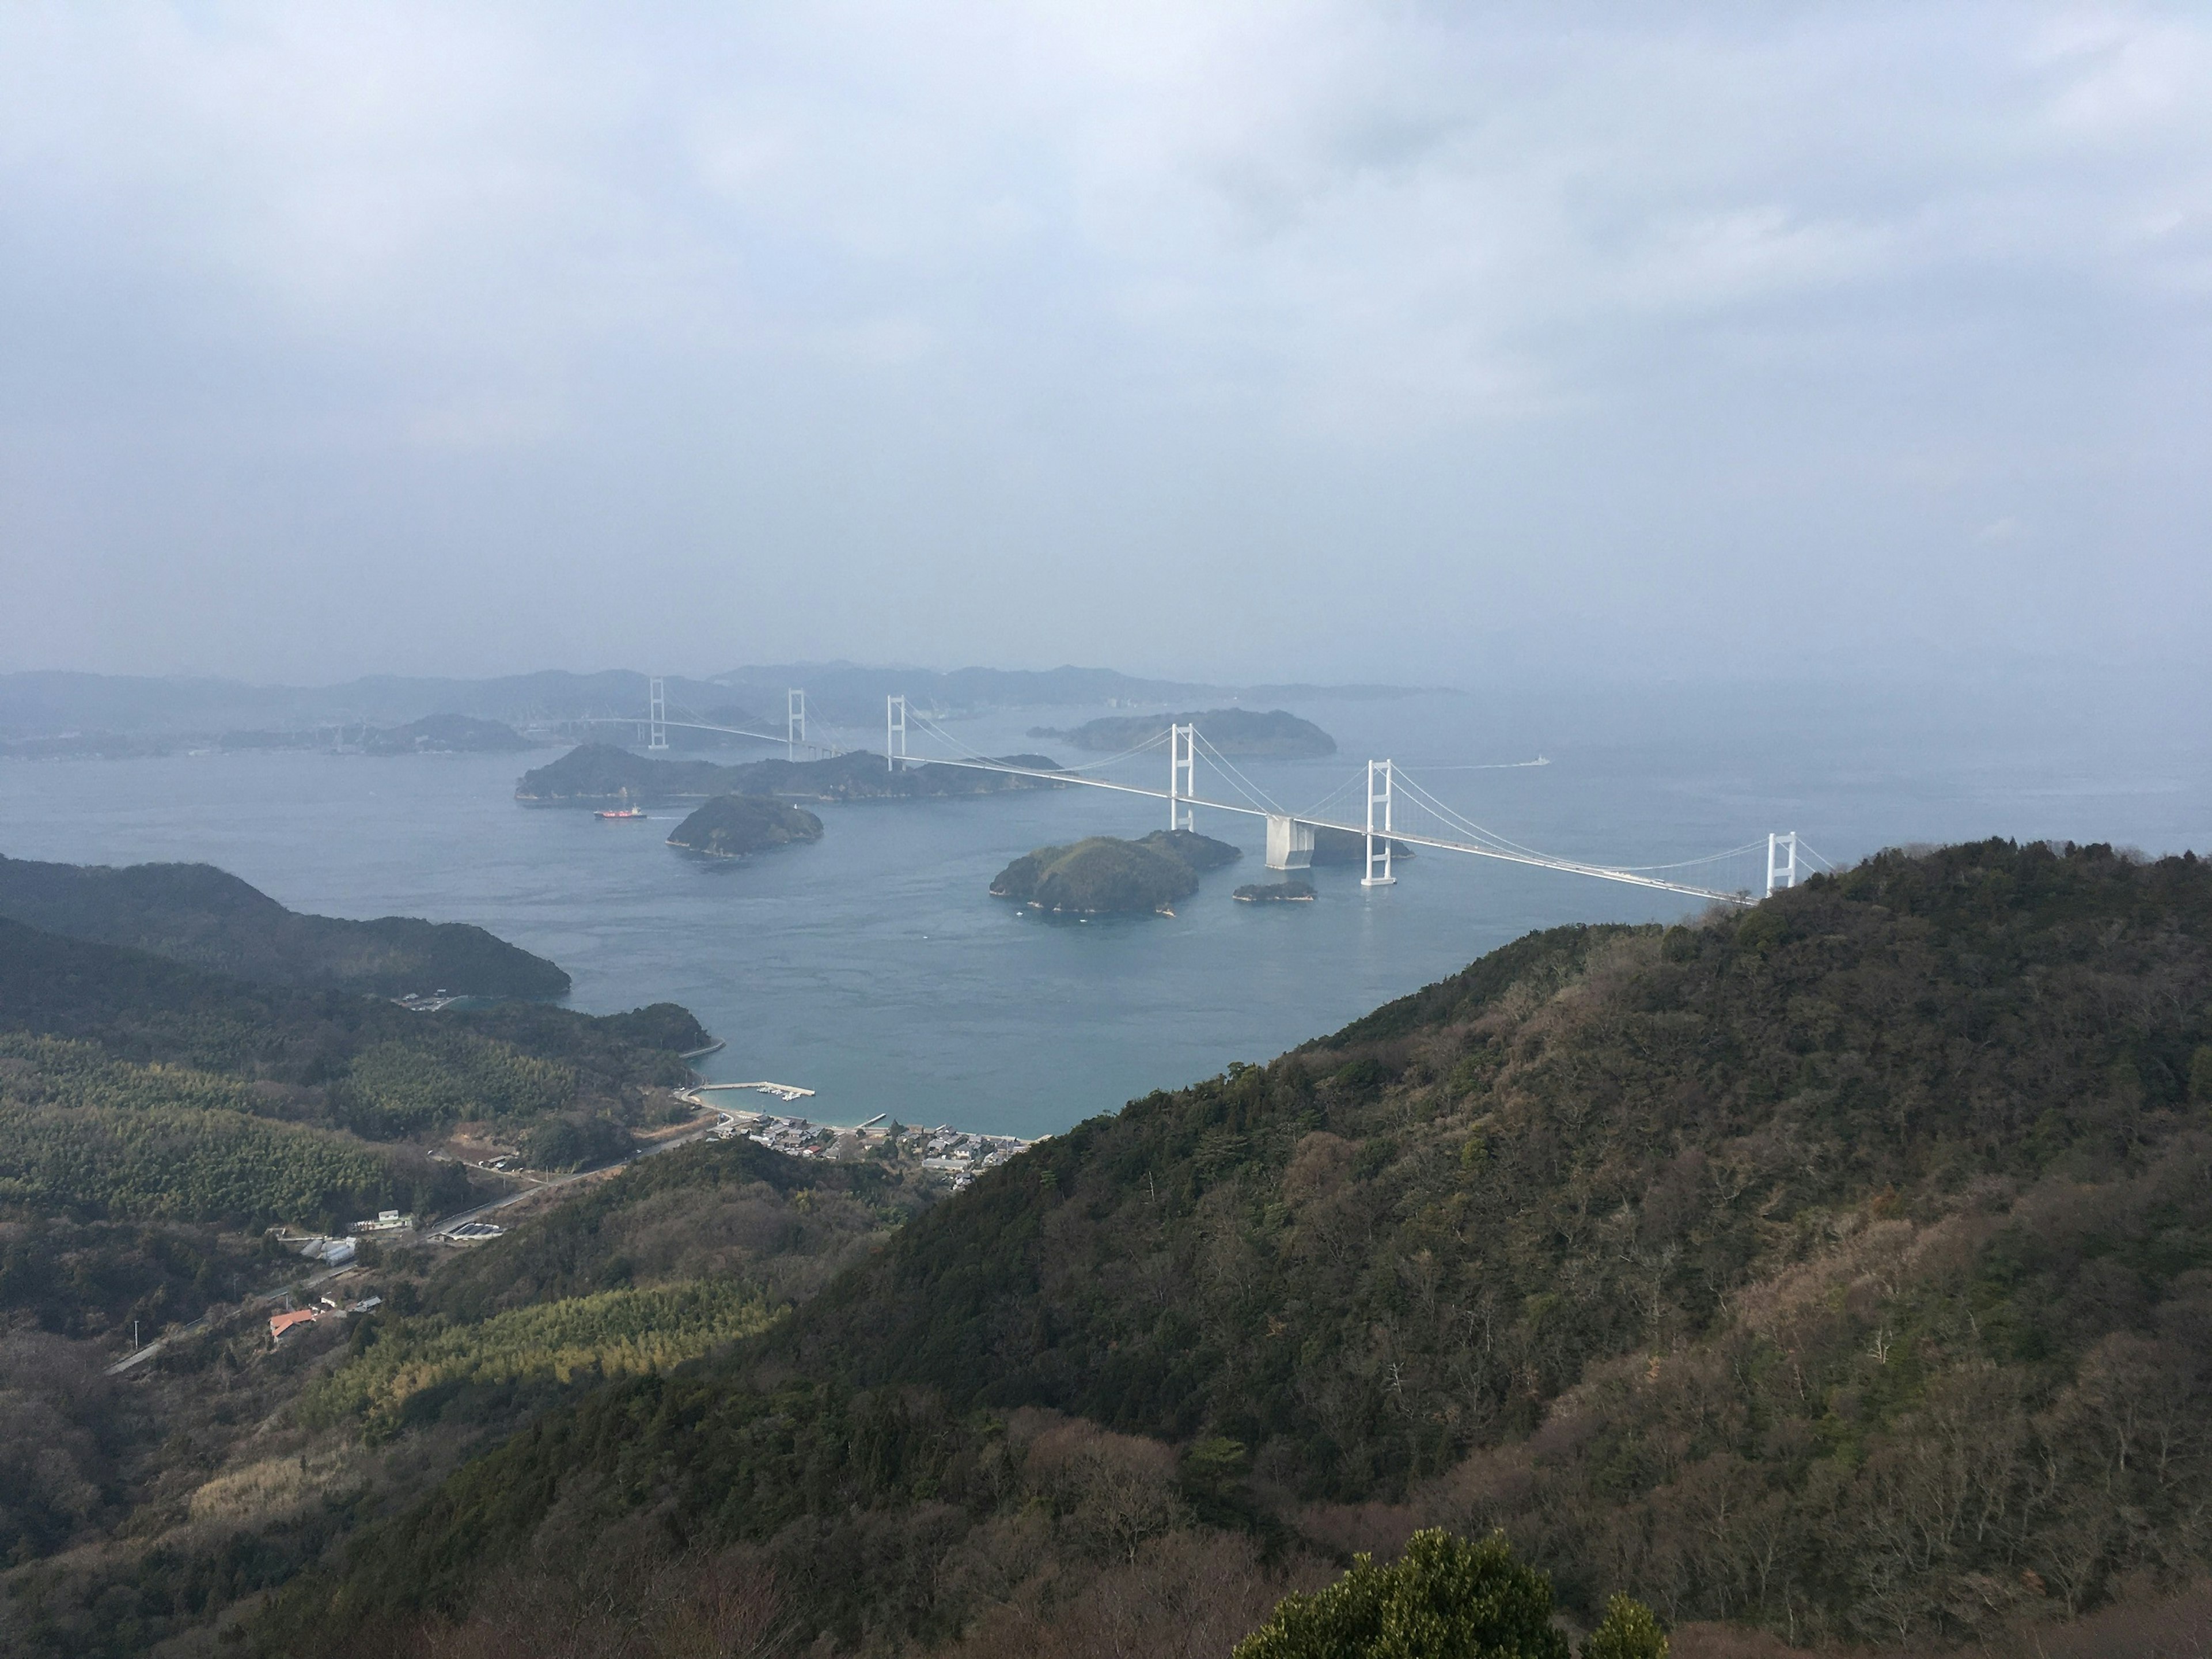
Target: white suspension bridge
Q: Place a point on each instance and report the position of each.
(1399, 812)
(662, 718)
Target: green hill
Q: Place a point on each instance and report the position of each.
(731, 826)
(337, 1059)
(1240, 731)
(196, 914)
(1105, 876)
(598, 772)
(1842, 1266)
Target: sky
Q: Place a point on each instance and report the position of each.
(1269, 341)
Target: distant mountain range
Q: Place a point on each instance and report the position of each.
(54, 712)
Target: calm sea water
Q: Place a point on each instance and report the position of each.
(873, 967)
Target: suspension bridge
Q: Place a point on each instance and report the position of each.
(662, 718)
(1399, 811)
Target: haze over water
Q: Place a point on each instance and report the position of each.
(873, 967)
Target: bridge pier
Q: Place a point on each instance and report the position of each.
(1378, 859)
(1182, 777)
(657, 722)
(1781, 862)
(1290, 844)
(895, 731)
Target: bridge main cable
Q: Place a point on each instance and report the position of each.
(1532, 859)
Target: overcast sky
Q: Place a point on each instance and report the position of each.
(1238, 341)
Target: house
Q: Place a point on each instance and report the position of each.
(280, 1323)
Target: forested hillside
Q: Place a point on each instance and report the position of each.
(336, 1059)
(158, 1505)
(196, 914)
(1842, 1266)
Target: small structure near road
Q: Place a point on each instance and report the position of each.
(291, 1319)
(387, 1221)
(471, 1232)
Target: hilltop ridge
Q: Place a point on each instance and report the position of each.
(198, 914)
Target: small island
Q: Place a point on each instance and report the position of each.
(1237, 731)
(1104, 875)
(1274, 892)
(731, 826)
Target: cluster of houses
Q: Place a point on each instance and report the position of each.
(962, 1156)
(795, 1136)
(954, 1153)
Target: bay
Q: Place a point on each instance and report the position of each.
(873, 966)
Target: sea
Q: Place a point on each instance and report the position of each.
(874, 967)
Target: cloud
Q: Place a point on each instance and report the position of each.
(1582, 289)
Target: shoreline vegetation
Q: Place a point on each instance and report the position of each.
(732, 826)
(595, 773)
(1103, 875)
(1238, 732)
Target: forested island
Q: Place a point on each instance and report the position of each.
(731, 826)
(434, 734)
(1103, 875)
(1234, 731)
(1275, 892)
(198, 914)
(597, 774)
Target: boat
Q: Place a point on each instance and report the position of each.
(628, 809)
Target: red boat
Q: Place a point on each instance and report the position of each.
(621, 813)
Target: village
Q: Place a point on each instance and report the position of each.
(957, 1155)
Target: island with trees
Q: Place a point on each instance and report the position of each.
(731, 826)
(434, 734)
(1236, 732)
(595, 773)
(1275, 892)
(1103, 875)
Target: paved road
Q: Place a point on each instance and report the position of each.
(261, 1299)
(444, 1227)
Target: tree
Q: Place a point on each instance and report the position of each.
(1446, 1598)
(1627, 1632)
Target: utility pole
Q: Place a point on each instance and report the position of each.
(1378, 769)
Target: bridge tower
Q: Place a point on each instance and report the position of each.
(1781, 862)
(1182, 777)
(1378, 769)
(794, 721)
(894, 732)
(657, 734)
